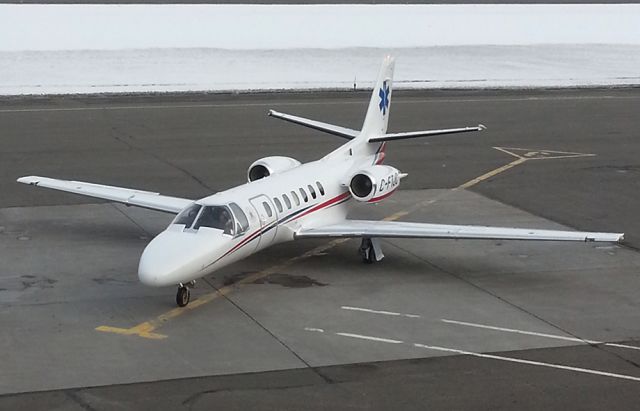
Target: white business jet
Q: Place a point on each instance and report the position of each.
(285, 200)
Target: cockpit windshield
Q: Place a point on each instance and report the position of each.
(216, 217)
(187, 215)
(230, 219)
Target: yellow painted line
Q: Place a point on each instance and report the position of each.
(531, 154)
(492, 173)
(147, 328)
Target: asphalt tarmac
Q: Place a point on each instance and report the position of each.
(438, 324)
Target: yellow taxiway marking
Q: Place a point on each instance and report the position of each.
(492, 173)
(147, 329)
(531, 154)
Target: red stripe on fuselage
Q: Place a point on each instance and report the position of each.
(325, 204)
(381, 154)
(260, 230)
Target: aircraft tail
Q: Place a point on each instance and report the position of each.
(377, 118)
(372, 138)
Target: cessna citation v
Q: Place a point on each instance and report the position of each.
(285, 200)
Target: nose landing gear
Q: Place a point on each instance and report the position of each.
(184, 293)
(370, 250)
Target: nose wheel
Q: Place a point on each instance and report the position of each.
(184, 294)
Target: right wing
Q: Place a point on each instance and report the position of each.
(316, 125)
(390, 229)
(426, 133)
(145, 199)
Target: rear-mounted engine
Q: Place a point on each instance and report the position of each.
(374, 183)
(270, 165)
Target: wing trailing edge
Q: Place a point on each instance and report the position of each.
(144, 199)
(395, 229)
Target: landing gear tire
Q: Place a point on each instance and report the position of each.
(183, 296)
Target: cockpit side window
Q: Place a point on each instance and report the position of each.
(242, 224)
(216, 217)
(187, 215)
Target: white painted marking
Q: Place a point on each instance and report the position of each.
(370, 338)
(368, 310)
(317, 330)
(554, 336)
(631, 347)
(529, 362)
(315, 103)
(511, 330)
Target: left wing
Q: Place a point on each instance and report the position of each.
(146, 199)
(362, 228)
(316, 125)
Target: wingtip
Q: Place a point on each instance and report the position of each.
(33, 180)
(481, 127)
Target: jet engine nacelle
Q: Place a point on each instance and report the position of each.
(374, 183)
(270, 165)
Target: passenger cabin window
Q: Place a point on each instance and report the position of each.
(304, 195)
(216, 217)
(242, 224)
(287, 201)
(187, 215)
(278, 204)
(320, 188)
(296, 199)
(312, 191)
(267, 208)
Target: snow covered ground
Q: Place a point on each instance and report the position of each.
(48, 49)
(156, 70)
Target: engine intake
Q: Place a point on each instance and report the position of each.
(267, 166)
(374, 183)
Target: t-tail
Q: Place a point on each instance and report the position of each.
(372, 138)
(377, 118)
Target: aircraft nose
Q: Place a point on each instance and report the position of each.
(175, 257)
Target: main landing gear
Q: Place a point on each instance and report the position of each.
(370, 250)
(184, 293)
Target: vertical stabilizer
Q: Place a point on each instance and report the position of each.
(377, 118)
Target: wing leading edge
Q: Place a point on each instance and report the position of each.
(316, 125)
(391, 229)
(145, 199)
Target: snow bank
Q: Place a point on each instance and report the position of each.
(107, 27)
(146, 48)
(161, 70)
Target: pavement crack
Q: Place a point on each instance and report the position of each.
(600, 347)
(128, 217)
(325, 378)
(117, 135)
(73, 394)
(192, 399)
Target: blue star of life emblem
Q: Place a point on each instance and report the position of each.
(384, 98)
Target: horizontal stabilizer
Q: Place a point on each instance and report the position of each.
(427, 133)
(316, 125)
(145, 199)
(396, 229)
